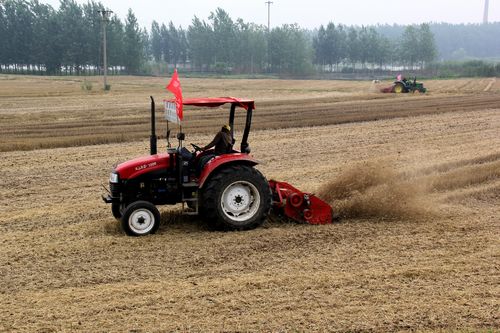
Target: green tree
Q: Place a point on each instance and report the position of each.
(365, 41)
(200, 36)
(46, 50)
(165, 43)
(146, 45)
(156, 41)
(132, 44)
(290, 51)
(174, 43)
(330, 47)
(92, 37)
(426, 44)
(409, 46)
(116, 41)
(224, 36)
(319, 47)
(18, 32)
(373, 46)
(3, 36)
(384, 54)
(250, 47)
(354, 46)
(183, 46)
(342, 44)
(72, 35)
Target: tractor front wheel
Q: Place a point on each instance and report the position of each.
(140, 218)
(236, 198)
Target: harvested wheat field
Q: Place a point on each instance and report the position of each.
(414, 180)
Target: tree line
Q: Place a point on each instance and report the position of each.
(342, 45)
(37, 38)
(457, 41)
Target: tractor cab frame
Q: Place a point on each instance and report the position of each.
(198, 170)
(248, 105)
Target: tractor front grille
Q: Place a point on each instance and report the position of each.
(115, 189)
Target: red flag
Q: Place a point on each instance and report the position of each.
(175, 87)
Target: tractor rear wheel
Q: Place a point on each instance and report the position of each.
(140, 218)
(399, 88)
(236, 198)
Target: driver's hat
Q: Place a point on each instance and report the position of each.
(227, 127)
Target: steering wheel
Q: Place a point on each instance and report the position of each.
(196, 147)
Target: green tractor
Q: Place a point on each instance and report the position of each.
(406, 86)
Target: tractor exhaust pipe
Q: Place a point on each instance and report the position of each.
(153, 138)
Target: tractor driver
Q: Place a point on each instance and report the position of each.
(223, 142)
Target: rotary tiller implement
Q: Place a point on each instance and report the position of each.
(299, 206)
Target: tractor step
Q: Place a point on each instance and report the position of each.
(186, 210)
(190, 185)
(300, 206)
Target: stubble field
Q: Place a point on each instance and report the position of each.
(415, 179)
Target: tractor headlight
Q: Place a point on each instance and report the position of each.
(113, 178)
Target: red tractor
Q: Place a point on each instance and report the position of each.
(226, 190)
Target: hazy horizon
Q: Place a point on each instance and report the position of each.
(311, 16)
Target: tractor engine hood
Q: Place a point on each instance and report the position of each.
(142, 165)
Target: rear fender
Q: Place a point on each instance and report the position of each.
(224, 160)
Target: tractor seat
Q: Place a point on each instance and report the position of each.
(186, 154)
(203, 161)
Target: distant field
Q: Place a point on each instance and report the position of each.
(415, 178)
(39, 112)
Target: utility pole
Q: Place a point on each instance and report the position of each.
(486, 9)
(104, 20)
(268, 15)
(268, 3)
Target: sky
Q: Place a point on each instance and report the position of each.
(307, 13)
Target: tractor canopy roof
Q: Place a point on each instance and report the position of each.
(218, 101)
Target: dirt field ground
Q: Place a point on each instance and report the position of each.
(416, 180)
(38, 112)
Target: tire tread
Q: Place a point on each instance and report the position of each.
(134, 206)
(211, 193)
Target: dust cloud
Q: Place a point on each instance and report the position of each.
(376, 189)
